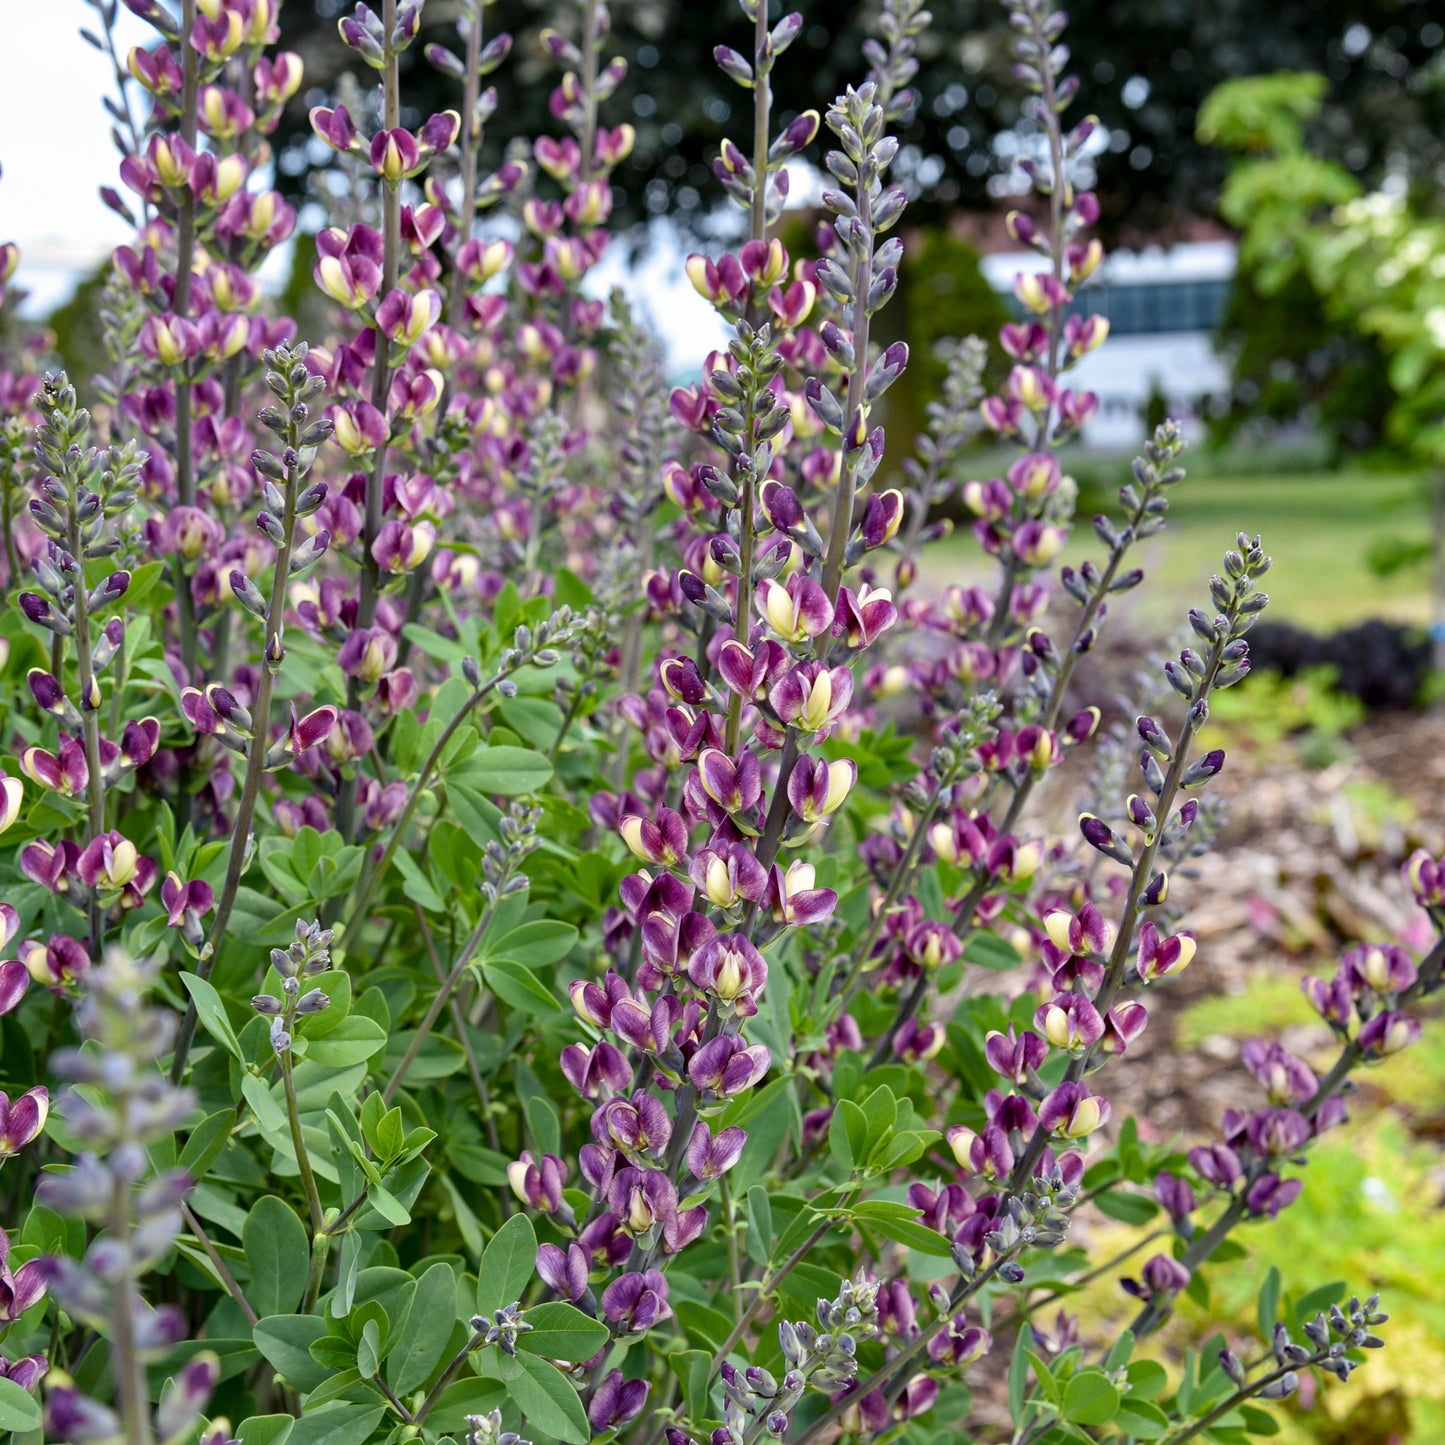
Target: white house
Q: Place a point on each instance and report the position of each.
(1164, 307)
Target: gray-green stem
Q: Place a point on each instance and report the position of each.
(255, 770)
(443, 995)
(128, 1367)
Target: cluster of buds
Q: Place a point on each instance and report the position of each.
(1330, 1338)
(755, 1401)
(308, 955)
(119, 1105)
(487, 1430)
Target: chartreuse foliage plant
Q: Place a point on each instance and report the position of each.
(523, 917)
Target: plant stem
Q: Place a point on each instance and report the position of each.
(381, 368)
(588, 139)
(1129, 915)
(769, 1283)
(453, 1365)
(181, 306)
(358, 912)
(459, 1023)
(126, 1365)
(303, 1158)
(1245, 1392)
(857, 379)
(89, 706)
(443, 995)
(255, 770)
(468, 141)
(219, 1265)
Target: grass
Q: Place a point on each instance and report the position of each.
(1318, 526)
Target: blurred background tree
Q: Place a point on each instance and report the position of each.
(1146, 68)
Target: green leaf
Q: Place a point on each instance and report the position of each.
(1147, 1378)
(268, 1112)
(277, 1255)
(421, 1339)
(206, 1143)
(286, 1342)
(562, 1332)
(415, 884)
(987, 950)
(760, 1225)
(265, 1430)
(1268, 1305)
(336, 985)
(508, 1263)
(1018, 1372)
(1257, 1421)
(911, 1233)
(536, 944)
(460, 1399)
(1125, 1206)
(212, 1014)
(518, 987)
(1090, 1399)
(336, 1424)
(388, 1206)
(692, 1368)
(1141, 1419)
(507, 772)
(548, 1401)
(19, 1410)
(368, 1350)
(353, 1041)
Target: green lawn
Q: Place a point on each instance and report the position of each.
(1319, 527)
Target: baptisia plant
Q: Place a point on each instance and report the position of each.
(526, 885)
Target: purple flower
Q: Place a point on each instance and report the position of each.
(1218, 1164)
(726, 1066)
(734, 784)
(111, 865)
(732, 972)
(1175, 1196)
(1277, 1133)
(791, 898)
(593, 1071)
(1269, 1194)
(1162, 957)
(1071, 1112)
(58, 963)
(367, 653)
(661, 841)
(26, 1372)
(22, 1288)
(636, 1301)
(727, 873)
(639, 1125)
(564, 1271)
(862, 618)
(1286, 1079)
(1384, 968)
(798, 611)
(1070, 1022)
(710, 1158)
(812, 697)
(1014, 1056)
(538, 1185)
(1387, 1033)
(1163, 1276)
(1122, 1025)
(616, 1401)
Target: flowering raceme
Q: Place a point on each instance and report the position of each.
(389, 690)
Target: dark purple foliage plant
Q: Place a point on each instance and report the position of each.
(523, 918)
